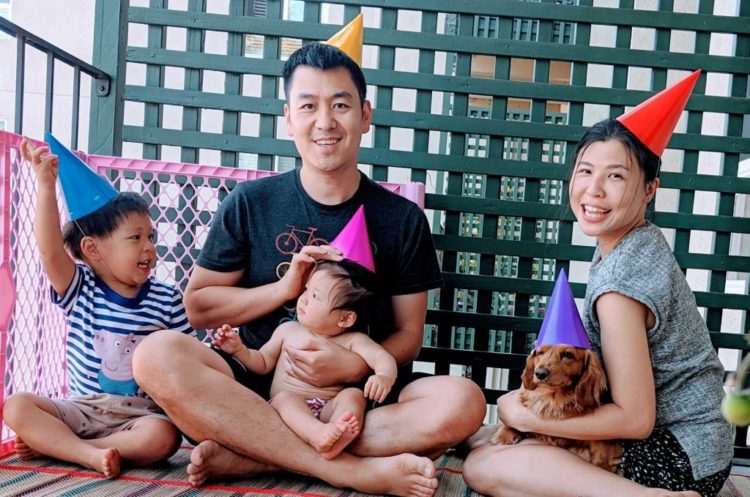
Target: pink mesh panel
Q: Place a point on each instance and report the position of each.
(183, 198)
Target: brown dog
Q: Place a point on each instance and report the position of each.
(561, 382)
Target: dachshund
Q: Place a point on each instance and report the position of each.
(560, 382)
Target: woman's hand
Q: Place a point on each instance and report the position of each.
(513, 413)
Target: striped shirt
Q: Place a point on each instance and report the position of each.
(104, 328)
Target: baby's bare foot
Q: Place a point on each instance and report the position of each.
(349, 426)
(23, 451)
(209, 460)
(326, 436)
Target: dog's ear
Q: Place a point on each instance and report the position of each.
(592, 383)
(527, 378)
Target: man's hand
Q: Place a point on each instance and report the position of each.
(323, 364)
(378, 386)
(227, 340)
(42, 162)
(295, 277)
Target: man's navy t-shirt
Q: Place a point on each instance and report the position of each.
(262, 223)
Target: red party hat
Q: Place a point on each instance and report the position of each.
(653, 121)
(354, 242)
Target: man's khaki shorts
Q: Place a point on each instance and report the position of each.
(101, 414)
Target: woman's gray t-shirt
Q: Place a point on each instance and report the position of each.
(687, 372)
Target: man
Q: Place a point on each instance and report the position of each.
(238, 280)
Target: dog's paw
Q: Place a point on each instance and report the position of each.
(505, 436)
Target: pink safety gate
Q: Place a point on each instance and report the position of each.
(183, 199)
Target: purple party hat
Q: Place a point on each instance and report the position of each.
(562, 324)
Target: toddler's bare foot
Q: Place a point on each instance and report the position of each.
(105, 461)
(210, 460)
(23, 450)
(349, 426)
(327, 435)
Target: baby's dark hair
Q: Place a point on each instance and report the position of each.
(355, 289)
(612, 129)
(102, 221)
(324, 57)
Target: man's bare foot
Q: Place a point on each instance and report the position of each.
(209, 460)
(405, 475)
(105, 461)
(350, 428)
(23, 450)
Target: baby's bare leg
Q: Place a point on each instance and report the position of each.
(34, 419)
(150, 439)
(346, 410)
(298, 417)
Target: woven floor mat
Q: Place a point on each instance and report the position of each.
(46, 477)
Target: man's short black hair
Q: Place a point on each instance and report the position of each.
(324, 57)
(102, 221)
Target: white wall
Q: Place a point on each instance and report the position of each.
(69, 25)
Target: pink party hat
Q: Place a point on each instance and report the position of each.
(562, 324)
(354, 242)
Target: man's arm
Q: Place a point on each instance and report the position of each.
(409, 312)
(212, 299)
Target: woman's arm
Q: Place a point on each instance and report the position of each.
(632, 413)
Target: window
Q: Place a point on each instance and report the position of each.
(5, 9)
(4, 12)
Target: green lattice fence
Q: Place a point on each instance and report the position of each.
(483, 101)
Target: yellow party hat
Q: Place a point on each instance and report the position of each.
(349, 39)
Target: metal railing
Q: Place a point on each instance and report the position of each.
(53, 53)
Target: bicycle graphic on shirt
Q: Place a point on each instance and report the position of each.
(292, 241)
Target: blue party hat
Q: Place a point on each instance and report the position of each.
(562, 324)
(83, 189)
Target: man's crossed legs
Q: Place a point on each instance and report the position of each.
(240, 434)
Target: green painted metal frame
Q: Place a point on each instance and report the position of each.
(521, 285)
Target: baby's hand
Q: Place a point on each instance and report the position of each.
(42, 162)
(227, 340)
(378, 386)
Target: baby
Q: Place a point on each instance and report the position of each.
(335, 302)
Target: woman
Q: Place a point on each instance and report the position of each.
(641, 317)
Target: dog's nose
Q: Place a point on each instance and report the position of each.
(541, 373)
